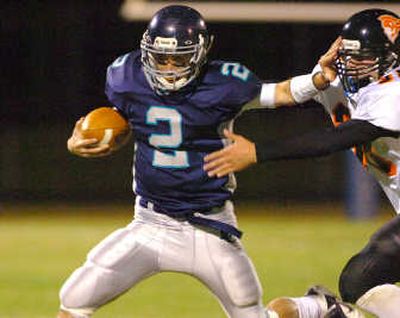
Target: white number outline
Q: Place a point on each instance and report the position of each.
(119, 61)
(236, 70)
(178, 159)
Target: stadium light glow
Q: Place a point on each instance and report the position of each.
(316, 12)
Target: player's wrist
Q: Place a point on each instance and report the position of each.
(302, 88)
(267, 96)
(320, 81)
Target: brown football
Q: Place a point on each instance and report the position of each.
(107, 126)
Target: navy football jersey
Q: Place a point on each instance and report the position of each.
(174, 132)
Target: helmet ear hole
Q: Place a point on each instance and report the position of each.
(178, 35)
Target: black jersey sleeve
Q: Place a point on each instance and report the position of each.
(322, 142)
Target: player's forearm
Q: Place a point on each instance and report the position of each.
(293, 91)
(320, 81)
(321, 142)
(283, 95)
(274, 95)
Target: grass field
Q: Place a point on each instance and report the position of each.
(291, 247)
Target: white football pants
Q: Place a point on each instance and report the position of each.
(154, 243)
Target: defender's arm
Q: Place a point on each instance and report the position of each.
(323, 142)
(243, 153)
(299, 89)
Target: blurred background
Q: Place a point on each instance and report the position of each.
(54, 59)
(55, 206)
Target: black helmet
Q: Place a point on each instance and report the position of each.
(175, 31)
(371, 35)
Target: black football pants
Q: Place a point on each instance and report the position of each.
(377, 264)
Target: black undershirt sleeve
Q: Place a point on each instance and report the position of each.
(322, 142)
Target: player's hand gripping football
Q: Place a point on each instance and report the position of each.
(235, 157)
(86, 147)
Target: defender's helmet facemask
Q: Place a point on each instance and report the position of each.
(371, 46)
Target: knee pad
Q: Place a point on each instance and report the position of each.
(376, 264)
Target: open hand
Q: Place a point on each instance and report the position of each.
(235, 157)
(327, 61)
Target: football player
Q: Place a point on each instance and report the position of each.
(365, 98)
(178, 105)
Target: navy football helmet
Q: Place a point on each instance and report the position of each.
(174, 48)
(371, 48)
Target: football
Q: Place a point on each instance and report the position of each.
(107, 126)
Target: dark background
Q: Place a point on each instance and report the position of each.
(54, 57)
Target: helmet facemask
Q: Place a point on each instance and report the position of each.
(169, 66)
(371, 47)
(359, 67)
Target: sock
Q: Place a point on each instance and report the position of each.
(313, 306)
(382, 301)
(271, 314)
(75, 313)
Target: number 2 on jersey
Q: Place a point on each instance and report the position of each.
(175, 158)
(236, 70)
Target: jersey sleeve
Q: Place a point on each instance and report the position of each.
(118, 75)
(246, 88)
(380, 109)
(321, 142)
(241, 86)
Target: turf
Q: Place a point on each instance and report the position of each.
(292, 247)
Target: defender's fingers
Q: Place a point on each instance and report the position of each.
(332, 52)
(221, 171)
(230, 135)
(333, 49)
(224, 171)
(336, 44)
(332, 55)
(216, 154)
(215, 163)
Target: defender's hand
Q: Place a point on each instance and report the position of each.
(87, 148)
(235, 157)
